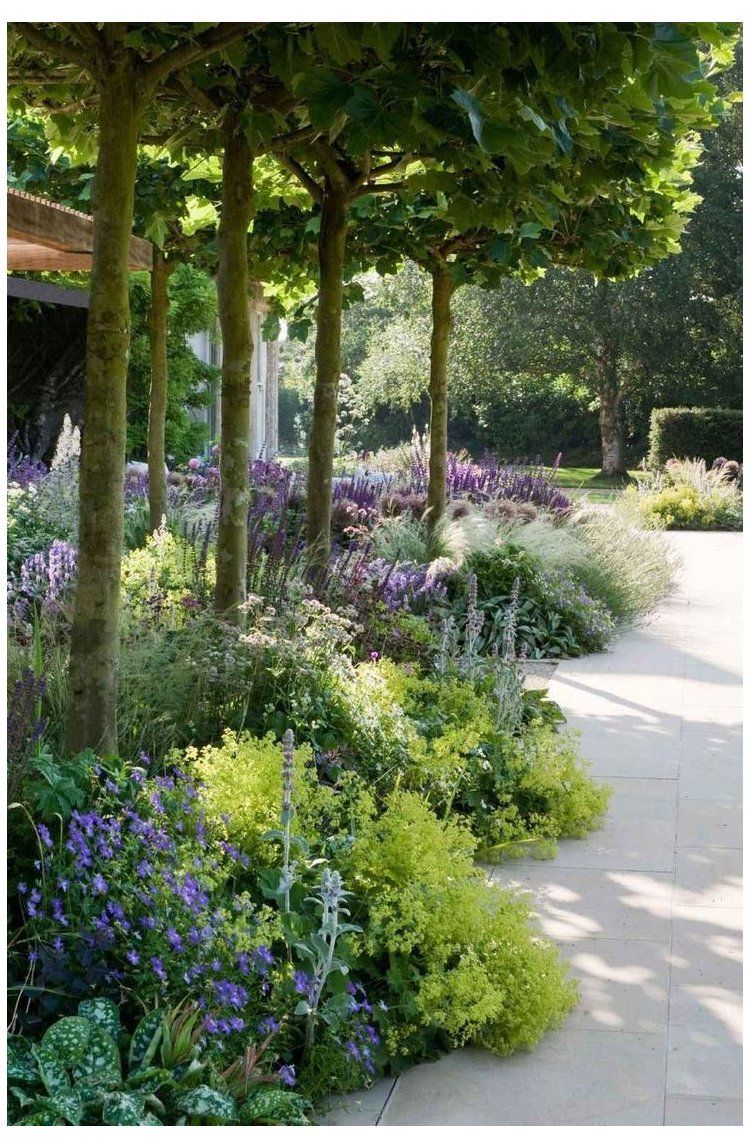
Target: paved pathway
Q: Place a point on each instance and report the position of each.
(648, 909)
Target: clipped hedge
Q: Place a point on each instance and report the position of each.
(694, 432)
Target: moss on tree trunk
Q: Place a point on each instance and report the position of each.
(331, 252)
(157, 400)
(237, 350)
(442, 291)
(92, 704)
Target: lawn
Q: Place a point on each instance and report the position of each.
(589, 477)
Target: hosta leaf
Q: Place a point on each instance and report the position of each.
(122, 1108)
(146, 1039)
(205, 1101)
(67, 1040)
(101, 1013)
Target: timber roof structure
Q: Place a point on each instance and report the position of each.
(44, 236)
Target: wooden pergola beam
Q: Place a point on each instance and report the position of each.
(44, 236)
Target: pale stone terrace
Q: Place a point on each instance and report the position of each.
(647, 909)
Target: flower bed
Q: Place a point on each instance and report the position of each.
(303, 919)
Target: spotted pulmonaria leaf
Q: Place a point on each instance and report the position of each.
(69, 1105)
(101, 1013)
(100, 1061)
(41, 1116)
(55, 1077)
(122, 1108)
(67, 1040)
(274, 1106)
(21, 1065)
(205, 1101)
(149, 1079)
(146, 1039)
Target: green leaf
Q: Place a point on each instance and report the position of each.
(54, 1076)
(21, 1065)
(40, 1116)
(530, 115)
(145, 1039)
(69, 1105)
(530, 230)
(122, 1108)
(469, 104)
(67, 1040)
(205, 1101)
(274, 1106)
(102, 1013)
(100, 1061)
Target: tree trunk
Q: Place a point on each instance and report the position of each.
(272, 399)
(157, 401)
(233, 283)
(92, 704)
(331, 251)
(611, 431)
(442, 291)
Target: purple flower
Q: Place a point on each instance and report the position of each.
(262, 957)
(133, 957)
(268, 1026)
(158, 966)
(301, 982)
(175, 940)
(287, 1075)
(44, 835)
(99, 885)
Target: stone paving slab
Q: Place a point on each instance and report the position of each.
(647, 909)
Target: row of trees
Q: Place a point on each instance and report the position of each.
(478, 151)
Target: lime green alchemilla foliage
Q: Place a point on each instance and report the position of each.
(243, 780)
(456, 949)
(165, 581)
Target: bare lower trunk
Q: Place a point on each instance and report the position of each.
(612, 432)
(331, 251)
(442, 290)
(272, 399)
(157, 401)
(237, 350)
(92, 705)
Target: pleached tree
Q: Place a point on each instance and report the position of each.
(111, 72)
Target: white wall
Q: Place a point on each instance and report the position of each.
(209, 351)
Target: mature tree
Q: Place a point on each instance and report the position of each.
(604, 186)
(114, 69)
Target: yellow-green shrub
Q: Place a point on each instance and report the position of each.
(159, 580)
(458, 949)
(242, 780)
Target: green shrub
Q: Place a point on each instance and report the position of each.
(457, 951)
(555, 617)
(686, 496)
(694, 432)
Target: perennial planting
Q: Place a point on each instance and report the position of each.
(300, 919)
